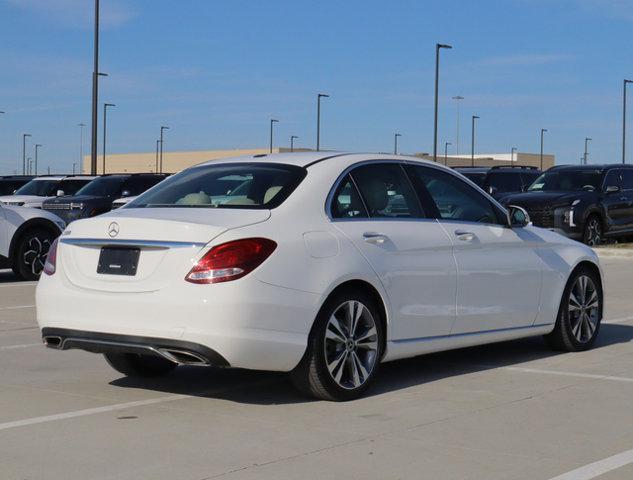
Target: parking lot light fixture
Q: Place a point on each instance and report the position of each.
(318, 135)
(584, 157)
(292, 142)
(162, 129)
(472, 141)
(24, 136)
(37, 147)
(395, 143)
(626, 82)
(272, 121)
(543, 130)
(438, 47)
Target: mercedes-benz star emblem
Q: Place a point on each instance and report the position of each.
(113, 229)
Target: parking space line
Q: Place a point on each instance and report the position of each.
(17, 284)
(16, 347)
(598, 468)
(570, 374)
(17, 307)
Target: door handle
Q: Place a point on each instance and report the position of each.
(465, 236)
(375, 238)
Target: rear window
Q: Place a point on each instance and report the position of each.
(237, 185)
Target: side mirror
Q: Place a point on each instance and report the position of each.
(492, 190)
(518, 216)
(126, 193)
(612, 189)
(60, 193)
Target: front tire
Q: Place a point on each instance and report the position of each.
(593, 231)
(579, 314)
(344, 348)
(135, 365)
(31, 252)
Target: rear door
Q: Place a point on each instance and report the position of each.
(4, 234)
(627, 191)
(377, 209)
(615, 203)
(499, 268)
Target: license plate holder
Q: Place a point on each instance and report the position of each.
(118, 261)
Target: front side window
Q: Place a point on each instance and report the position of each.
(613, 179)
(567, 181)
(238, 185)
(386, 191)
(504, 182)
(40, 188)
(108, 186)
(452, 198)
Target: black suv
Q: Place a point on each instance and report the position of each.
(10, 183)
(588, 202)
(501, 180)
(97, 196)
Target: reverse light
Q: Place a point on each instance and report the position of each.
(231, 260)
(51, 259)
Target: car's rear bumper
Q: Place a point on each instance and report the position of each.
(249, 324)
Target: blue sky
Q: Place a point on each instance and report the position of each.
(216, 71)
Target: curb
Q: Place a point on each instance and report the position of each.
(606, 252)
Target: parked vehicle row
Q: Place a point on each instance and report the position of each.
(38, 189)
(321, 264)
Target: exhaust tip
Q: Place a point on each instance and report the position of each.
(53, 342)
(183, 357)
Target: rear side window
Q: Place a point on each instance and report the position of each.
(137, 185)
(528, 178)
(235, 185)
(386, 191)
(502, 182)
(347, 202)
(627, 179)
(70, 187)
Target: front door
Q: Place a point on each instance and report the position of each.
(411, 255)
(499, 269)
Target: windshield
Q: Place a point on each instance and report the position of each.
(104, 186)
(567, 181)
(41, 188)
(246, 185)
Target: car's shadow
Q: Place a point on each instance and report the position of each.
(269, 388)
(7, 276)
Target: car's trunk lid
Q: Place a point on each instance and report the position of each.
(169, 241)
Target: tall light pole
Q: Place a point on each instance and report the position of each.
(472, 141)
(395, 143)
(37, 146)
(584, 157)
(74, 165)
(161, 147)
(272, 121)
(438, 47)
(543, 130)
(157, 145)
(512, 152)
(105, 130)
(95, 94)
(81, 143)
(292, 142)
(24, 152)
(446, 144)
(29, 164)
(318, 139)
(626, 82)
(458, 99)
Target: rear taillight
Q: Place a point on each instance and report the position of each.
(231, 260)
(51, 259)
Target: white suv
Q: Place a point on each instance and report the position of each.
(26, 235)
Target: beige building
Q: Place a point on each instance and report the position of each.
(176, 161)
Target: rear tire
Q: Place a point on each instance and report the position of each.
(30, 253)
(344, 348)
(579, 314)
(135, 365)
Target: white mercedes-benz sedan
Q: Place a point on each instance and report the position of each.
(320, 264)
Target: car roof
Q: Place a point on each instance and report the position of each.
(307, 159)
(599, 167)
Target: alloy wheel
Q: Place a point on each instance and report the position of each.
(351, 345)
(35, 253)
(593, 235)
(584, 308)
